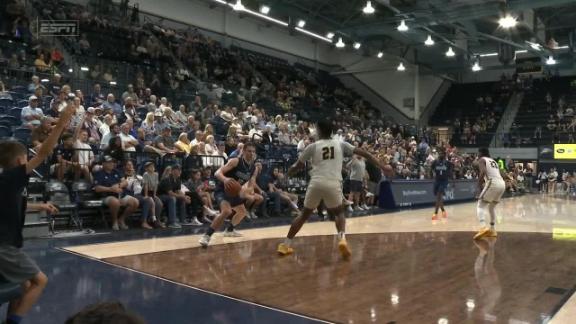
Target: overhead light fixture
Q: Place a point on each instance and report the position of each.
(44, 80)
(476, 67)
(309, 33)
(357, 45)
(562, 47)
(264, 9)
(380, 55)
(369, 9)
(84, 68)
(340, 43)
(330, 35)
(238, 6)
(301, 23)
(112, 82)
(429, 41)
(488, 54)
(70, 70)
(550, 60)
(401, 67)
(450, 52)
(402, 27)
(507, 22)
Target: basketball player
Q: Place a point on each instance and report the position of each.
(244, 170)
(326, 156)
(15, 169)
(493, 187)
(442, 169)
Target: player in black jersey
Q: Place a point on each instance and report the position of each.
(442, 169)
(243, 169)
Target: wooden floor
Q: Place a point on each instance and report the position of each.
(392, 277)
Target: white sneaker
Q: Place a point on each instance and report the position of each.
(204, 240)
(233, 233)
(350, 209)
(252, 214)
(196, 222)
(210, 212)
(365, 207)
(358, 208)
(348, 202)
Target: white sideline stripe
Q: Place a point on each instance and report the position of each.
(196, 288)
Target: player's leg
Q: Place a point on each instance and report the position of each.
(32, 291)
(443, 188)
(225, 212)
(438, 195)
(333, 201)
(482, 209)
(239, 212)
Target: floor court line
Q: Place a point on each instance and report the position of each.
(196, 288)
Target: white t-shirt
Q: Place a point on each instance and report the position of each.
(85, 155)
(326, 157)
(125, 140)
(492, 169)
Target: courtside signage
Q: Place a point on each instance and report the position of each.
(565, 151)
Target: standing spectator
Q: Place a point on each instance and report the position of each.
(357, 167)
(108, 183)
(170, 192)
(31, 114)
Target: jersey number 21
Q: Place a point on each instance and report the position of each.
(328, 153)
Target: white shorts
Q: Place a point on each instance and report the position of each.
(328, 191)
(493, 191)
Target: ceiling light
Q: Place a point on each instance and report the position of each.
(70, 70)
(112, 82)
(340, 43)
(450, 52)
(380, 54)
(429, 41)
(488, 54)
(301, 23)
(330, 35)
(401, 67)
(550, 60)
(84, 68)
(402, 27)
(357, 45)
(368, 9)
(476, 67)
(44, 80)
(238, 6)
(264, 9)
(507, 22)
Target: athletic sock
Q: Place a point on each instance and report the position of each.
(13, 319)
(210, 231)
(341, 236)
(288, 242)
(230, 227)
(492, 226)
(442, 208)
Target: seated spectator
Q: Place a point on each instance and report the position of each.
(104, 128)
(200, 191)
(97, 98)
(109, 185)
(130, 93)
(31, 114)
(170, 192)
(35, 84)
(165, 142)
(160, 123)
(84, 153)
(91, 124)
(40, 64)
(114, 149)
(40, 133)
(182, 115)
(129, 142)
(55, 86)
(66, 159)
(111, 103)
(135, 188)
(183, 144)
(114, 132)
(130, 110)
(198, 138)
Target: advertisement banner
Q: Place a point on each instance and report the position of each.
(565, 151)
(412, 193)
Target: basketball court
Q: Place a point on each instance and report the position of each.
(404, 269)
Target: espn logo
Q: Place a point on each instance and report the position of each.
(68, 28)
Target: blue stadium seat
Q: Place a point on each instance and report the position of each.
(5, 132)
(11, 120)
(22, 135)
(22, 103)
(16, 113)
(6, 103)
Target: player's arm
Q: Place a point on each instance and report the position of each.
(50, 143)
(220, 173)
(369, 157)
(482, 172)
(301, 163)
(47, 207)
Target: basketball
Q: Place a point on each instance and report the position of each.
(232, 188)
(388, 171)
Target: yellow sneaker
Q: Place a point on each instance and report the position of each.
(283, 249)
(482, 233)
(492, 233)
(344, 249)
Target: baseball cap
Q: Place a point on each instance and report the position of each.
(33, 98)
(91, 110)
(147, 164)
(108, 158)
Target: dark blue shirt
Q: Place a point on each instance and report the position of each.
(105, 179)
(442, 169)
(13, 194)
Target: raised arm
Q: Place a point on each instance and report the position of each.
(50, 143)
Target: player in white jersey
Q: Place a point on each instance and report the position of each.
(326, 157)
(493, 187)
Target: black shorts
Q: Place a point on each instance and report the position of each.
(16, 266)
(440, 186)
(356, 186)
(221, 196)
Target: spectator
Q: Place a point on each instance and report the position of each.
(108, 183)
(165, 142)
(183, 144)
(66, 159)
(114, 149)
(104, 313)
(129, 142)
(31, 114)
(84, 153)
(357, 167)
(200, 191)
(114, 132)
(130, 93)
(170, 192)
(150, 190)
(134, 188)
(97, 98)
(90, 124)
(40, 64)
(111, 103)
(40, 133)
(35, 84)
